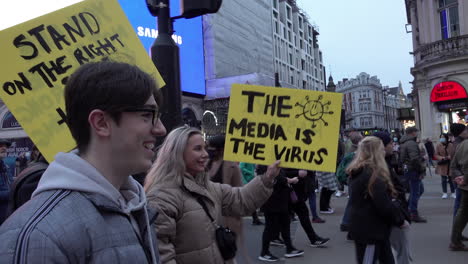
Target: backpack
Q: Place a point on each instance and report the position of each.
(341, 170)
(24, 185)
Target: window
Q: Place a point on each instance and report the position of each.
(275, 4)
(449, 22)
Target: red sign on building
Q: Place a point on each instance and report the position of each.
(445, 91)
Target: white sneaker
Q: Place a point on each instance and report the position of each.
(453, 195)
(444, 196)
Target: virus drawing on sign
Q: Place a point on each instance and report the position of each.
(314, 110)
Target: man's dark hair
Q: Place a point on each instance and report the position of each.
(410, 130)
(108, 86)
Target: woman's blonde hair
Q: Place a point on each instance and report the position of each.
(371, 155)
(169, 166)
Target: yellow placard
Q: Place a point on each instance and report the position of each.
(298, 127)
(39, 55)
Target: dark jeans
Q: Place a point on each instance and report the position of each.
(382, 252)
(416, 190)
(456, 203)
(313, 204)
(347, 211)
(276, 223)
(325, 196)
(460, 219)
(300, 208)
(445, 180)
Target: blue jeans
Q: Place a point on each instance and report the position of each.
(416, 190)
(313, 204)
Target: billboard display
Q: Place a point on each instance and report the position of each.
(188, 36)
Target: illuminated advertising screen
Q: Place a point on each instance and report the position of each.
(188, 36)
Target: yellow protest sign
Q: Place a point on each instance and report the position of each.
(298, 127)
(40, 54)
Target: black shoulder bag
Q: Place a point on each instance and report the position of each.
(225, 237)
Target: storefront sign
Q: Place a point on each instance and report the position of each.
(446, 91)
(452, 105)
(9, 121)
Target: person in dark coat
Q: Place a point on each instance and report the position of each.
(277, 218)
(399, 237)
(302, 189)
(430, 150)
(373, 203)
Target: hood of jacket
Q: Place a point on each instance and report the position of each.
(406, 138)
(71, 172)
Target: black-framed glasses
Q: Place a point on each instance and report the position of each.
(146, 109)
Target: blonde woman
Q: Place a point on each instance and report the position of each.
(175, 182)
(373, 212)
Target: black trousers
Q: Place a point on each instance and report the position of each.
(276, 223)
(300, 208)
(381, 252)
(325, 196)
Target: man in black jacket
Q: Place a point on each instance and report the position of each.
(399, 236)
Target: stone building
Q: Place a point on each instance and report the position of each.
(440, 48)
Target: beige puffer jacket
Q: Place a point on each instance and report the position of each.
(185, 232)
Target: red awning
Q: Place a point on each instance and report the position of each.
(446, 91)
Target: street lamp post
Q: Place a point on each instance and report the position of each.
(385, 93)
(165, 56)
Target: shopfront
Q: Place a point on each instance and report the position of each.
(451, 101)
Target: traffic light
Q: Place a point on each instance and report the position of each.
(194, 8)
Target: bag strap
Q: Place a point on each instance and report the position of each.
(202, 203)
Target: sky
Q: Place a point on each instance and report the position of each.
(355, 36)
(363, 36)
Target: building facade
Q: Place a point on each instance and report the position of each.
(258, 42)
(440, 48)
(368, 105)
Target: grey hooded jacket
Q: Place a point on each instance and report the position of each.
(77, 216)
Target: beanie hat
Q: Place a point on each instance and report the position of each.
(384, 136)
(457, 129)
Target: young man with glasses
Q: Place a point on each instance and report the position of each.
(87, 208)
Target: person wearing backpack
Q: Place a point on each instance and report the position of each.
(26, 182)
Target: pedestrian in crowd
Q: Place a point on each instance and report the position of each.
(399, 236)
(341, 152)
(414, 166)
(313, 198)
(302, 189)
(27, 180)
(248, 173)
(373, 212)
(87, 208)
(442, 156)
(6, 178)
(277, 218)
(460, 133)
(459, 168)
(224, 172)
(328, 186)
(355, 138)
(430, 150)
(190, 206)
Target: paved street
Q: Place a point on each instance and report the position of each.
(429, 241)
